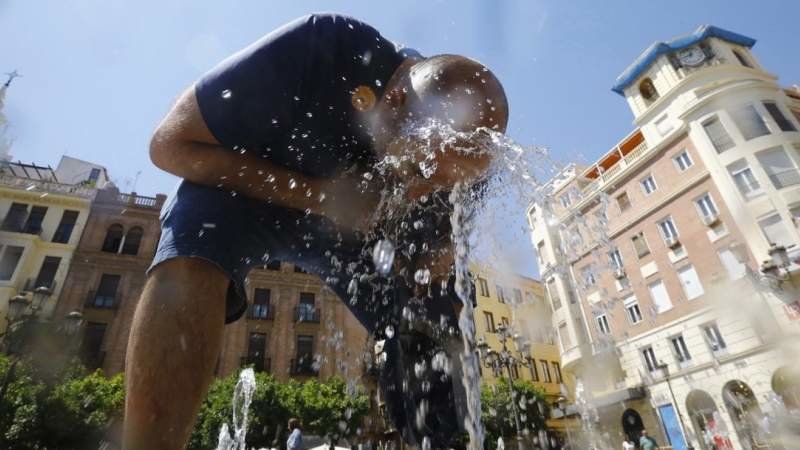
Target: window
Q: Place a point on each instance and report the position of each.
(650, 359)
(588, 276)
(514, 369)
(563, 335)
(775, 230)
(632, 310)
(91, 345)
(94, 175)
(15, 218)
(517, 296)
(735, 268)
(778, 117)
(714, 337)
(663, 125)
(661, 301)
(534, 370)
(65, 227)
(742, 60)
(504, 321)
(648, 185)
(667, 229)
(132, 240)
(566, 200)
(680, 349)
(552, 291)
(545, 371)
(690, 282)
(489, 320)
(34, 223)
(484, 287)
(500, 295)
(305, 354)
(256, 346)
(717, 134)
(261, 304)
(106, 295)
(47, 273)
(616, 259)
(113, 238)
(648, 90)
(779, 168)
(8, 261)
(750, 122)
(557, 371)
(540, 253)
(602, 324)
(306, 309)
(705, 206)
(623, 202)
(640, 245)
(744, 179)
(683, 161)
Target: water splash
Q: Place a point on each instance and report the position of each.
(242, 397)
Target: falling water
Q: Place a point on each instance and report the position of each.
(242, 396)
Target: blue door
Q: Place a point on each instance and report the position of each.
(670, 421)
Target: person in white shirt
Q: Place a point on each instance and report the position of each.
(627, 444)
(295, 441)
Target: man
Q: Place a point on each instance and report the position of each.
(283, 151)
(295, 440)
(646, 442)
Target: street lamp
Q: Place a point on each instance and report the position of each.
(504, 360)
(16, 306)
(665, 370)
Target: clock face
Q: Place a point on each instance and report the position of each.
(691, 56)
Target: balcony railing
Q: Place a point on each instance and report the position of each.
(303, 366)
(261, 312)
(306, 315)
(95, 299)
(612, 171)
(785, 178)
(259, 363)
(51, 187)
(139, 200)
(31, 284)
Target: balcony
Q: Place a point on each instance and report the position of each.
(303, 366)
(44, 185)
(785, 178)
(103, 301)
(622, 156)
(138, 200)
(261, 312)
(304, 314)
(259, 363)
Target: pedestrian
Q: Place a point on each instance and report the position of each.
(646, 442)
(295, 440)
(288, 150)
(627, 443)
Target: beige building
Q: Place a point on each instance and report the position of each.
(652, 256)
(42, 221)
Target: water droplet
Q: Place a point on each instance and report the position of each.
(233, 193)
(308, 193)
(308, 114)
(296, 98)
(350, 25)
(389, 331)
(292, 183)
(422, 276)
(426, 443)
(226, 94)
(378, 83)
(270, 178)
(367, 175)
(383, 256)
(321, 197)
(209, 225)
(418, 224)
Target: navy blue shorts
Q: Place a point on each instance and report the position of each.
(238, 234)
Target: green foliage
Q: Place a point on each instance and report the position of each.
(20, 410)
(324, 408)
(497, 412)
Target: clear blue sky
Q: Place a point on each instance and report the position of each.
(99, 74)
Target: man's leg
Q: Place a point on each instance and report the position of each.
(174, 344)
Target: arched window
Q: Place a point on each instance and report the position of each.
(132, 241)
(745, 413)
(709, 427)
(632, 424)
(742, 60)
(113, 238)
(648, 90)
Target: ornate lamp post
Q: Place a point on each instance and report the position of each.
(21, 313)
(504, 360)
(665, 370)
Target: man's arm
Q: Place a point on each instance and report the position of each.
(184, 146)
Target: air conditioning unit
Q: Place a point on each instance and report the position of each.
(619, 273)
(672, 241)
(710, 219)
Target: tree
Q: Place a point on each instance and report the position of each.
(497, 413)
(20, 410)
(326, 409)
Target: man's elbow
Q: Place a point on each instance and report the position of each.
(163, 150)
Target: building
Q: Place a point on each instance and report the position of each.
(42, 222)
(653, 256)
(519, 303)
